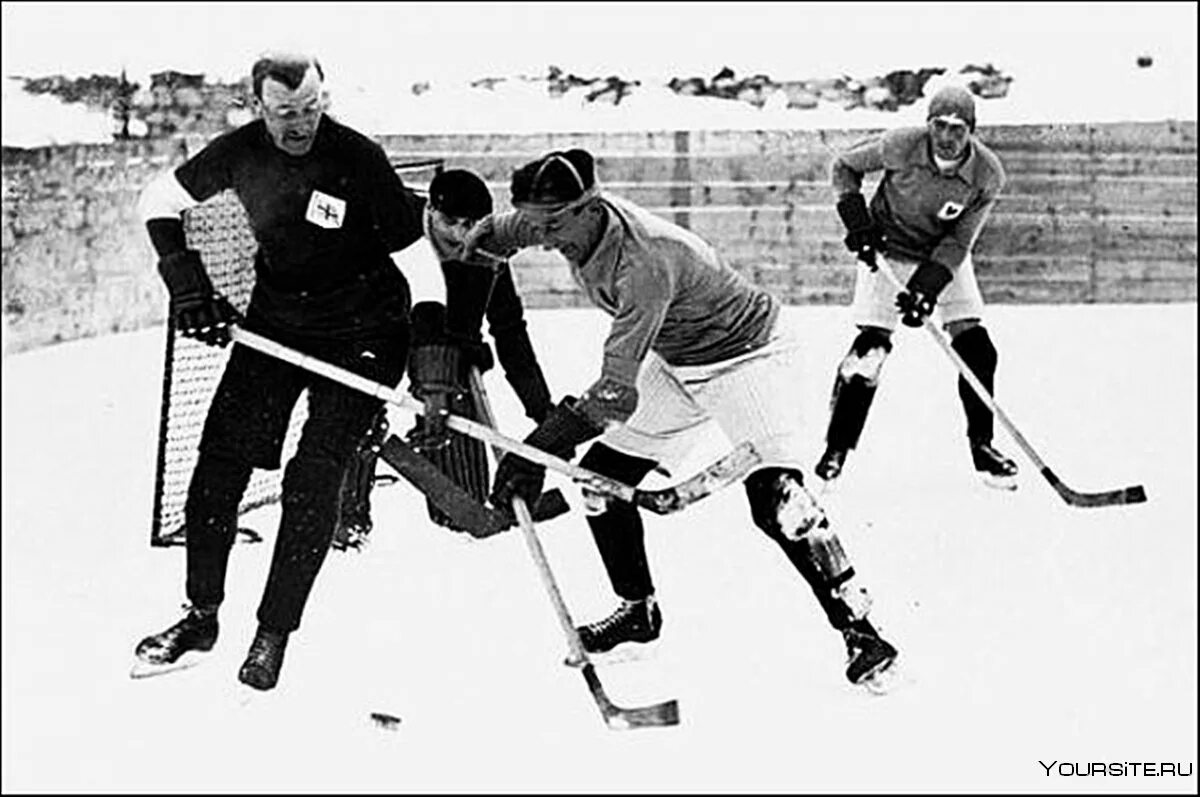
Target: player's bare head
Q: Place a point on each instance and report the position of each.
(557, 195)
(458, 198)
(951, 120)
(288, 68)
(289, 94)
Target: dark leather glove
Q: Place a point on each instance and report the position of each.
(197, 310)
(517, 477)
(917, 301)
(563, 430)
(914, 307)
(436, 374)
(862, 236)
(475, 353)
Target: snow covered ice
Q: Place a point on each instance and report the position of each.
(1028, 629)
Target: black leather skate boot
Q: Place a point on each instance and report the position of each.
(180, 645)
(996, 469)
(633, 621)
(261, 667)
(869, 655)
(352, 532)
(829, 467)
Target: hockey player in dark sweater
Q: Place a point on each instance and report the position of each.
(478, 288)
(344, 274)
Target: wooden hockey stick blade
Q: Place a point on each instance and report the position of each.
(659, 715)
(615, 717)
(662, 501)
(732, 467)
(459, 505)
(1126, 495)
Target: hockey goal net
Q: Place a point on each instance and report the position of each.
(219, 230)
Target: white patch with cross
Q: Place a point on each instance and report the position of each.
(950, 211)
(325, 210)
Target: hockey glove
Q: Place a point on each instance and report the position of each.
(917, 301)
(475, 353)
(914, 307)
(435, 372)
(563, 430)
(197, 310)
(862, 236)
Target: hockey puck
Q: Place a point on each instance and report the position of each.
(386, 721)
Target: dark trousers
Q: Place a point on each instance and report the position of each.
(245, 428)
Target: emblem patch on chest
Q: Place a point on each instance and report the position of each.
(325, 210)
(950, 211)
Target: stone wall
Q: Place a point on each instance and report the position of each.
(1092, 213)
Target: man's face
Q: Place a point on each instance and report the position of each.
(453, 228)
(950, 136)
(292, 117)
(565, 230)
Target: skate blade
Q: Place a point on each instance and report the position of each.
(1007, 483)
(144, 669)
(625, 653)
(884, 680)
(246, 696)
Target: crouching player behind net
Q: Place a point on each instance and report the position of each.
(691, 341)
(478, 287)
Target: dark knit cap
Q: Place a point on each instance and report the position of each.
(553, 180)
(460, 193)
(953, 101)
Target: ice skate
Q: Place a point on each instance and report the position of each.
(261, 668)
(871, 660)
(829, 467)
(352, 533)
(180, 647)
(623, 635)
(994, 468)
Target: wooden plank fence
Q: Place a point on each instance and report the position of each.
(1091, 213)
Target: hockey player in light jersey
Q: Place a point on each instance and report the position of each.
(939, 184)
(691, 341)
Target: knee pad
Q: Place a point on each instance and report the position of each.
(866, 356)
(854, 387)
(781, 505)
(789, 514)
(975, 346)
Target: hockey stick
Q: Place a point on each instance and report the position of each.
(1127, 495)
(616, 717)
(729, 468)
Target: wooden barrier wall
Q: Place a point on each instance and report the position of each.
(1091, 213)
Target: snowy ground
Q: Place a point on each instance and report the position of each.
(1030, 630)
